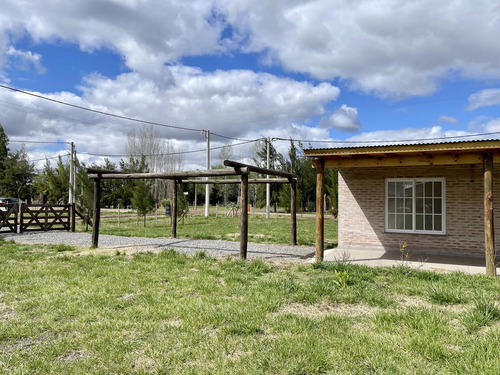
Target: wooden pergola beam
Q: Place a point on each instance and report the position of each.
(252, 168)
(234, 181)
(370, 161)
(171, 175)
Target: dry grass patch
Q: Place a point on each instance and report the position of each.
(325, 309)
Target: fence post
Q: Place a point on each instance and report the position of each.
(46, 225)
(293, 211)
(174, 210)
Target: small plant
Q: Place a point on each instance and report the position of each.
(63, 247)
(341, 279)
(404, 253)
(443, 296)
(484, 311)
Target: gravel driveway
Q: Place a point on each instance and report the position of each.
(216, 248)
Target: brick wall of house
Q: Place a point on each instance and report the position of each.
(362, 205)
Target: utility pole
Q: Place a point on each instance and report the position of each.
(74, 173)
(71, 187)
(207, 186)
(268, 186)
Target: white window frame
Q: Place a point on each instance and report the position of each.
(414, 230)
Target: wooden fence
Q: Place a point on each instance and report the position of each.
(38, 217)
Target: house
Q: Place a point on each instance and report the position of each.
(437, 198)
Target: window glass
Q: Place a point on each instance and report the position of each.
(391, 189)
(415, 205)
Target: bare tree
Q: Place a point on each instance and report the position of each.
(160, 156)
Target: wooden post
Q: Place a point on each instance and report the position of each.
(174, 210)
(73, 217)
(46, 224)
(489, 232)
(97, 212)
(244, 217)
(293, 211)
(320, 213)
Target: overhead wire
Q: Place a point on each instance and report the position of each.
(114, 115)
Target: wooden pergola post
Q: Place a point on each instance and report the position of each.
(244, 216)
(293, 211)
(320, 212)
(489, 228)
(97, 212)
(73, 217)
(174, 209)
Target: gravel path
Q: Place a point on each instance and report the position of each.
(216, 248)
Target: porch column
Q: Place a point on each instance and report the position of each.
(489, 228)
(320, 212)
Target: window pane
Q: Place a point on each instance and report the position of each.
(400, 222)
(419, 222)
(409, 222)
(438, 223)
(391, 224)
(428, 189)
(408, 189)
(437, 188)
(408, 206)
(400, 189)
(400, 205)
(391, 205)
(428, 205)
(391, 189)
(419, 187)
(438, 206)
(419, 206)
(428, 222)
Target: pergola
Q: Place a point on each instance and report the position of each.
(234, 169)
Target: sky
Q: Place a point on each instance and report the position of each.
(328, 72)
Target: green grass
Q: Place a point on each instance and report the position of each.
(260, 229)
(172, 314)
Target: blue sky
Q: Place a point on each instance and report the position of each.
(322, 70)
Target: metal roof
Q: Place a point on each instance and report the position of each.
(402, 147)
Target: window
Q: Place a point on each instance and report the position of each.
(415, 205)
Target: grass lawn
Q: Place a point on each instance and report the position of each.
(171, 314)
(260, 229)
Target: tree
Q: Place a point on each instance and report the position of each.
(142, 199)
(159, 156)
(53, 182)
(4, 149)
(276, 162)
(18, 175)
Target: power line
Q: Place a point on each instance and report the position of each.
(97, 111)
(171, 153)
(386, 141)
(52, 157)
(44, 142)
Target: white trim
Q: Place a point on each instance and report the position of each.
(414, 181)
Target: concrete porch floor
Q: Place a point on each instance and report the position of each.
(436, 263)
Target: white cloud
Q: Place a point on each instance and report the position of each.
(408, 135)
(345, 118)
(484, 98)
(23, 60)
(238, 103)
(447, 120)
(389, 47)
